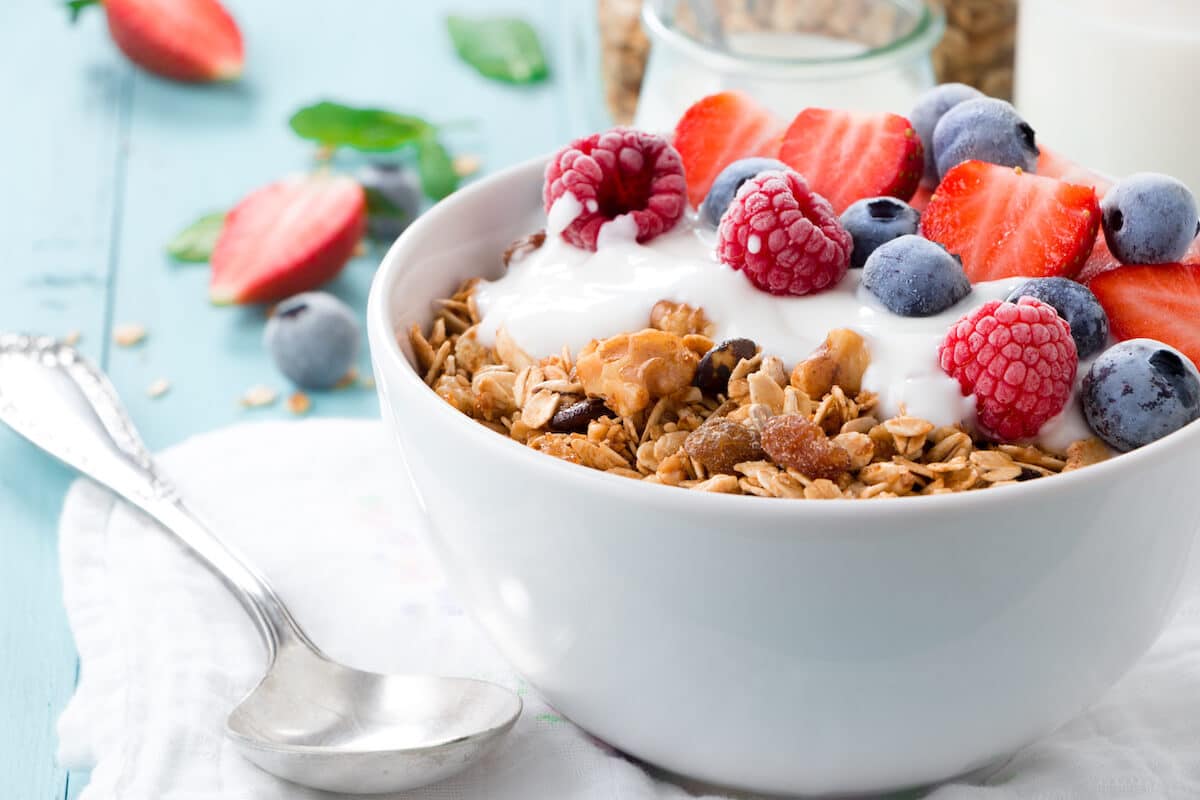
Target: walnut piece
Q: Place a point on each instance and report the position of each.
(841, 361)
(680, 319)
(631, 369)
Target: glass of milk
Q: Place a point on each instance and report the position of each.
(1111, 84)
(863, 55)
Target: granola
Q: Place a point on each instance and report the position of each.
(666, 405)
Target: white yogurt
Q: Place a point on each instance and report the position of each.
(560, 294)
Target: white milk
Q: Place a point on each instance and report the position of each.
(673, 82)
(562, 295)
(1112, 84)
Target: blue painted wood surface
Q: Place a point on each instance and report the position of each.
(102, 163)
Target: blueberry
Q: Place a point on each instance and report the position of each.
(876, 220)
(930, 108)
(727, 184)
(1149, 219)
(1139, 391)
(915, 277)
(984, 129)
(313, 338)
(1075, 303)
(393, 198)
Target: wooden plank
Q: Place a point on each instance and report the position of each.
(64, 121)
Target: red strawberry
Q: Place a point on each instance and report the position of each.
(184, 40)
(1005, 223)
(920, 200)
(1158, 301)
(1102, 260)
(1052, 165)
(287, 237)
(718, 130)
(846, 155)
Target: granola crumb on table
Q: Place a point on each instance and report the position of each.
(628, 405)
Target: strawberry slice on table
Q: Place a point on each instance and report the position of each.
(1157, 301)
(1051, 164)
(848, 155)
(287, 237)
(1003, 222)
(184, 40)
(717, 130)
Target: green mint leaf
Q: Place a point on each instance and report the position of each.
(502, 48)
(436, 169)
(75, 7)
(195, 243)
(371, 130)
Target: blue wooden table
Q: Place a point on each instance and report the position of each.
(102, 163)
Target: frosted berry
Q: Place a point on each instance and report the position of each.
(1019, 361)
(783, 236)
(619, 172)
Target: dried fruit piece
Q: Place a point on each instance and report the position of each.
(577, 416)
(795, 442)
(631, 369)
(715, 368)
(841, 361)
(720, 443)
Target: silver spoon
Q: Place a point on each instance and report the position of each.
(310, 720)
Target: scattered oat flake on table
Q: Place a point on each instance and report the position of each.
(158, 388)
(72, 338)
(367, 381)
(467, 164)
(127, 334)
(258, 396)
(298, 403)
(348, 379)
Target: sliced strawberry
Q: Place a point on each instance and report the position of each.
(1158, 301)
(1005, 223)
(718, 130)
(1051, 164)
(288, 237)
(185, 40)
(920, 200)
(847, 155)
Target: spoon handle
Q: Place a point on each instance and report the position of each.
(60, 402)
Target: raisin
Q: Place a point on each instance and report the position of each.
(796, 442)
(712, 375)
(576, 416)
(720, 443)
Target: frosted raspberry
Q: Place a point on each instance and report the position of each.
(622, 171)
(1019, 361)
(784, 236)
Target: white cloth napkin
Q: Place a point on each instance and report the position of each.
(322, 509)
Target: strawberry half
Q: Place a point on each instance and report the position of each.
(288, 237)
(1053, 165)
(847, 155)
(1005, 223)
(184, 40)
(717, 130)
(1158, 301)
(1102, 260)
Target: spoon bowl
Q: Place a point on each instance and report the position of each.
(310, 720)
(325, 725)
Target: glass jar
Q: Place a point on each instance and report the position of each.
(1111, 84)
(863, 55)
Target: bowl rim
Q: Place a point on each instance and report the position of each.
(386, 352)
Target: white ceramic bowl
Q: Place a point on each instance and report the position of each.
(779, 646)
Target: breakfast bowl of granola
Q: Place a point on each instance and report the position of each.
(620, 378)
